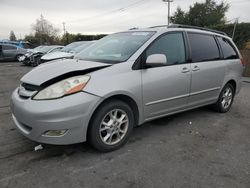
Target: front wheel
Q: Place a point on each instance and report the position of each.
(225, 100)
(111, 126)
(37, 61)
(18, 58)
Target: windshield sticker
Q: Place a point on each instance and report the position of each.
(141, 33)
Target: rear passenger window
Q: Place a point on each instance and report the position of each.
(227, 48)
(171, 45)
(203, 47)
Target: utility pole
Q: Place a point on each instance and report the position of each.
(168, 2)
(64, 32)
(235, 25)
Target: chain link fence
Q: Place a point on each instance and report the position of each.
(246, 57)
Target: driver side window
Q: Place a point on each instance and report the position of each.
(172, 46)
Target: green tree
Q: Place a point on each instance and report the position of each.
(179, 17)
(69, 38)
(242, 32)
(202, 14)
(12, 36)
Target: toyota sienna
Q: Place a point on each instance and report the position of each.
(124, 80)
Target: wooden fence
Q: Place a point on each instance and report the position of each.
(246, 57)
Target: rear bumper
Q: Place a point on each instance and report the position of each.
(72, 113)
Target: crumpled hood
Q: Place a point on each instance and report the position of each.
(51, 70)
(56, 55)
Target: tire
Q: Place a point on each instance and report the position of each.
(36, 61)
(225, 100)
(17, 57)
(107, 133)
(27, 61)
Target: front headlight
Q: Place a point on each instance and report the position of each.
(62, 88)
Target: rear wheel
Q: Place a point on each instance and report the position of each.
(111, 126)
(225, 100)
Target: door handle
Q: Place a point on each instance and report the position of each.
(185, 70)
(196, 68)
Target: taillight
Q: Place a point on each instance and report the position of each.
(242, 61)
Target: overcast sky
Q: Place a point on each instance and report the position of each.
(97, 16)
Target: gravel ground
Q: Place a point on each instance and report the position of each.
(199, 148)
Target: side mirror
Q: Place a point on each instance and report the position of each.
(155, 60)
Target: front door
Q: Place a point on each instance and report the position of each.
(166, 88)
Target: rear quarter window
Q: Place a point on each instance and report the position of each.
(228, 49)
(203, 47)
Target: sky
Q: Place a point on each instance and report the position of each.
(97, 16)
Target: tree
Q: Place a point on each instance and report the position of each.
(70, 37)
(203, 14)
(242, 33)
(12, 36)
(179, 17)
(45, 32)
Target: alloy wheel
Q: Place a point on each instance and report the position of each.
(114, 127)
(227, 98)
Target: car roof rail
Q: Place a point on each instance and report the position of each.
(133, 28)
(159, 26)
(196, 27)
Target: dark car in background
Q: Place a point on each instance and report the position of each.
(68, 52)
(33, 57)
(9, 52)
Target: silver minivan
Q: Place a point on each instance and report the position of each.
(125, 80)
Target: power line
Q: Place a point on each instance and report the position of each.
(239, 1)
(121, 9)
(229, 21)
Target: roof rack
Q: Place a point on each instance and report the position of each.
(133, 28)
(158, 26)
(196, 27)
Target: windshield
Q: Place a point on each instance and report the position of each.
(46, 49)
(71, 46)
(82, 47)
(115, 48)
(39, 47)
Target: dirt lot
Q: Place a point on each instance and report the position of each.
(212, 151)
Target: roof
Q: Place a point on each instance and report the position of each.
(176, 27)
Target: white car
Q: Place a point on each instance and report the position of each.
(68, 52)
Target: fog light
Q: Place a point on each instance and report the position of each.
(55, 132)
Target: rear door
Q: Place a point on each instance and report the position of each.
(166, 88)
(208, 69)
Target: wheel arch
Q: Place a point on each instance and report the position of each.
(125, 98)
(233, 83)
(17, 56)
